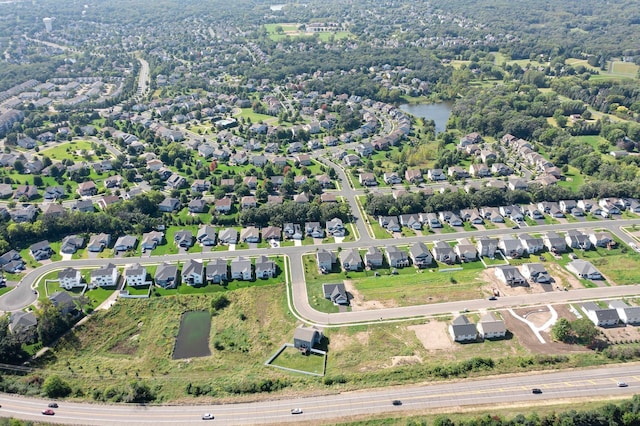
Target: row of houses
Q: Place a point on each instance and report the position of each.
(462, 329)
(167, 275)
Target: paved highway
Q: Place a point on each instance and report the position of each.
(503, 391)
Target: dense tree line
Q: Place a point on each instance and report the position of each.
(279, 214)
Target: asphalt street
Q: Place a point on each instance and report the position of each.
(505, 391)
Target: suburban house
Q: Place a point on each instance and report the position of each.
(373, 257)
(584, 269)
(335, 227)
(531, 244)
(70, 278)
(63, 301)
(166, 275)
(305, 338)
(577, 240)
(183, 238)
(84, 206)
(491, 327)
(169, 205)
(11, 261)
(510, 275)
(554, 242)
(601, 317)
(337, 293)
(150, 240)
(628, 314)
(71, 244)
(223, 205)
(391, 178)
(198, 205)
(98, 242)
(124, 243)
(390, 223)
(536, 273)
(241, 269)
(313, 230)
(87, 189)
(193, 272)
(431, 219)
(250, 234)
(436, 175)
(265, 267)
(41, 250)
(350, 260)
(411, 221)
(273, 233)
(413, 176)
(487, 247)
(206, 235)
(216, 271)
(367, 179)
(420, 255)
(462, 330)
(325, 260)
(105, 276)
(396, 258)
(135, 275)
(23, 324)
(466, 250)
(601, 239)
(511, 247)
(443, 252)
(228, 236)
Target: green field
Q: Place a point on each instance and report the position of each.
(291, 358)
(80, 150)
(627, 68)
(247, 113)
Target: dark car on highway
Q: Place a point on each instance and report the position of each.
(396, 402)
(536, 390)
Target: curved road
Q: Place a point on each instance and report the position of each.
(504, 391)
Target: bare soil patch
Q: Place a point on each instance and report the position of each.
(537, 315)
(563, 277)
(433, 335)
(489, 276)
(340, 341)
(405, 360)
(358, 302)
(621, 334)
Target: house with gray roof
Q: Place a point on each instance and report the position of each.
(601, 239)
(217, 271)
(41, 250)
(463, 330)
(373, 257)
(510, 275)
(511, 247)
(105, 276)
(273, 233)
(206, 235)
(265, 267)
(99, 242)
(337, 293)
(443, 252)
(536, 273)
(628, 314)
(420, 255)
(554, 242)
(487, 247)
(397, 258)
(601, 317)
(70, 278)
(241, 269)
(350, 260)
(531, 244)
(23, 324)
(491, 327)
(150, 240)
(135, 275)
(228, 236)
(577, 240)
(466, 250)
(71, 244)
(193, 272)
(183, 238)
(63, 301)
(166, 275)
(124, 243)
(326, 260)
(250, 234)
(584, 269)
(305, 338)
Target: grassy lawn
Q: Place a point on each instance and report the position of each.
(413, 287)
(248, 113)
(170, 247)
(4, 290)
(292, 358)
(138, 291)
(80, 150)
(574, 179)
(497, 261)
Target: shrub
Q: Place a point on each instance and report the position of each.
(55, 387)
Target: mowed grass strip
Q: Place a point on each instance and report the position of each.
(292, 358)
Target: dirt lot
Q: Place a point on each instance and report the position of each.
(538, 315)
(621, 334)
(433, 335)
(358, 303)
(563, 277)
(489, 276)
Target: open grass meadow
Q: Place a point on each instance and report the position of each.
(291, 358)
(76, 150)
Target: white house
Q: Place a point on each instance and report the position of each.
(106, 276)
(135, 275)
(193, 272)
(491, 327)
(70, 278)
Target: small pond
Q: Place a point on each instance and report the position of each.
(438, 112)
(193, 336)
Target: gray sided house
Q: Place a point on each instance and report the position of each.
(166, 275)
(265, 267)
(217, 271)
(420, 255)
(462, 330)
(337, 293)
(241, 269)
(373, 257)
(183, 238)
(350, 260)
(444, 253)
(305, 338)
(510, 275)
(206, 235)
(397, 258)
(491, 327)
(325, 260)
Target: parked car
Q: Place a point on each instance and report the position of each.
(48, 412)
(296, 411)
(207, 416)
(396, 402)
(536, 390)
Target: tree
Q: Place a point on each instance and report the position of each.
(585, 331)
(51, 322)
(10, 346)
(55, 387)
(561, 330)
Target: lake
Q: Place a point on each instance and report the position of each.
(438, 112)
(193, 336)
